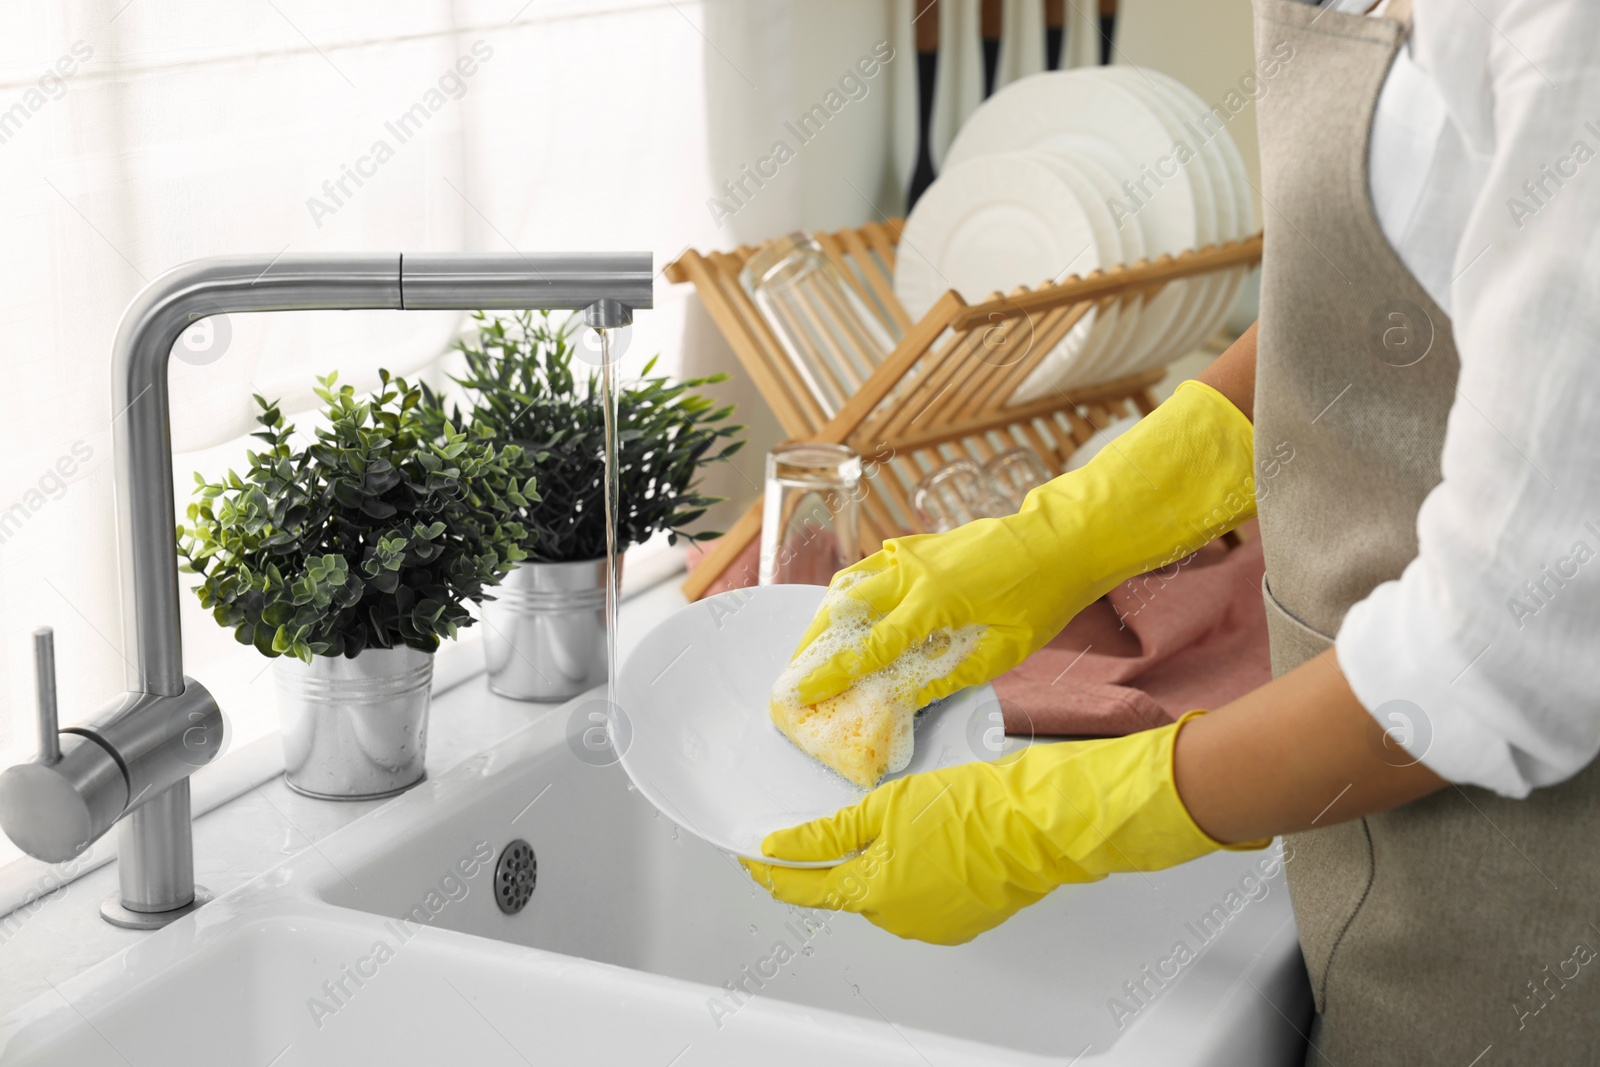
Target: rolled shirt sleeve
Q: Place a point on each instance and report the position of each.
(1485, 654)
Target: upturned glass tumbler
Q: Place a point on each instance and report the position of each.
(811, 514)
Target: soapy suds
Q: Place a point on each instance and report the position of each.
(834, 725)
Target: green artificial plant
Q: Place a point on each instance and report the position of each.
(376, 534)
(522, 387)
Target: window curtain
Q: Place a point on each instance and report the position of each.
(136, 136)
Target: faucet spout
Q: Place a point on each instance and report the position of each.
(608, 315)
(142, 439)
(131, 762)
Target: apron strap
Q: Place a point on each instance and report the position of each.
(1397, 11)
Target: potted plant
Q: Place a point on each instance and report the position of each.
(347, 560)
(544, 628)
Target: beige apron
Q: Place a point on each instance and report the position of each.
(1461, 921)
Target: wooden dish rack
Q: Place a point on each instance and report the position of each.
(943, 392)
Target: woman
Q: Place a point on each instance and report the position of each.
(1430, 304)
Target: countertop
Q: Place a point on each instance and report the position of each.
(62, 933)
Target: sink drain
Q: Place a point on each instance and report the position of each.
(514, 876)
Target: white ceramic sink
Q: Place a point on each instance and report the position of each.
(631, 938)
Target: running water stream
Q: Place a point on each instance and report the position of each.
(612, 491)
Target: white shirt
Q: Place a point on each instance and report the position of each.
(1486, 179)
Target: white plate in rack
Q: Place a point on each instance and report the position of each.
(692, 726)
(1195, 298)
(1098, 329)
(1089, 114)
(1058, 106)
(991, 224)
(1143, 238)
(1235, 204)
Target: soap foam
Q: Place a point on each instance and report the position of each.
(835, 724)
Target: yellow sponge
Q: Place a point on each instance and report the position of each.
(866, 731)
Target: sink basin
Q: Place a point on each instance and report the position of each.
(641, 944)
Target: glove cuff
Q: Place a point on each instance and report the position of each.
(1177, 800)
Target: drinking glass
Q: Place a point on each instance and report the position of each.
(1015, 473)
(810, 514)
(955, 495)
(828, 332)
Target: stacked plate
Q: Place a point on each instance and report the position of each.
(1071, 171)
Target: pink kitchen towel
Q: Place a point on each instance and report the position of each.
(1192, 635)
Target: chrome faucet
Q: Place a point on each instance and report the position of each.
(130, 763)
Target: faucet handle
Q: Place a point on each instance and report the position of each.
(44, 671)
(55, 806)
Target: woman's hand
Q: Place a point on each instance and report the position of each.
(986, 572)
(948, 854)
(1179, 478)
(1298, 753)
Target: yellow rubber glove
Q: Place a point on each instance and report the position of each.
(1175, 481)
(948, 854)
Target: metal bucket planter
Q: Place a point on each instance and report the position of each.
(355, 728)
(544, 633)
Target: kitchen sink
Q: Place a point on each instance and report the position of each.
(388, 942)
